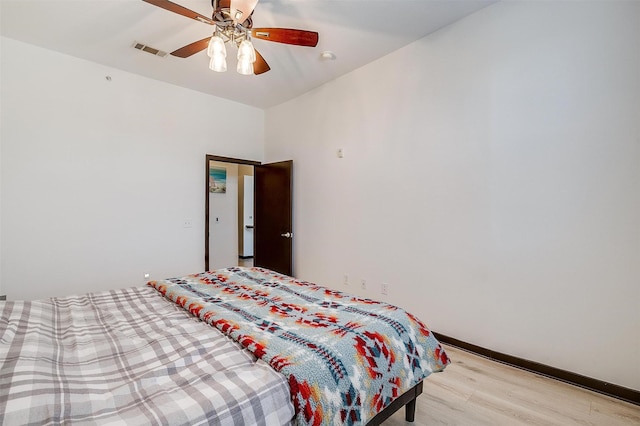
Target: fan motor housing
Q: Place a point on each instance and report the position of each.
(222, 14)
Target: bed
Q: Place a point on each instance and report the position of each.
(227, 347)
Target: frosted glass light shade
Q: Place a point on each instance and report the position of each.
(245, 67)
(218, 63)
(216, 47)
(246, 52)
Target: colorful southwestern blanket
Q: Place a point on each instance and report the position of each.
(345, 358)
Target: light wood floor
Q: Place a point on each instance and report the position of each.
(476, 391)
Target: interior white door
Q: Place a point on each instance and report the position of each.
(247, 235)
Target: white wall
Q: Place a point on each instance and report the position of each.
(491, 177)
(245, 210)
(223, 221)
(97, 177)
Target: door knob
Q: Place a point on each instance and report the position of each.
(287, 235)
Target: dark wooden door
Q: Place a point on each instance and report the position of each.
(273, 231)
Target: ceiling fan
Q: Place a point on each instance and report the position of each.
(233, 23)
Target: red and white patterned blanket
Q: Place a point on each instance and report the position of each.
(345, 358)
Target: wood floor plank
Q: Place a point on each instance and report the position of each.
(614, 412)
(474, 390)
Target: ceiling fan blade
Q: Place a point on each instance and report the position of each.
(242, 9)
(192, 49)
(260, 66)
(287, 36)
(180, 10)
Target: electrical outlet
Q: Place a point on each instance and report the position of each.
(345, 279)
(363, 284)
(384, 288)
(187, 223)
(147, 276)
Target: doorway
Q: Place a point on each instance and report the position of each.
(245, 230)
(224, 236)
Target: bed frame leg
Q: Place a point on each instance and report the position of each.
(407, 399)
(410, 410)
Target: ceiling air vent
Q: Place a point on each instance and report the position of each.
(149, 49)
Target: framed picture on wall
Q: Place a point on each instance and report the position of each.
(217, 179)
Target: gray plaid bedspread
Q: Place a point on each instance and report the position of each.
(128, 357)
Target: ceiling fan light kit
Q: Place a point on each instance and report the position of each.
(233, 23)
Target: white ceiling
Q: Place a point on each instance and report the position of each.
(104, 31)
